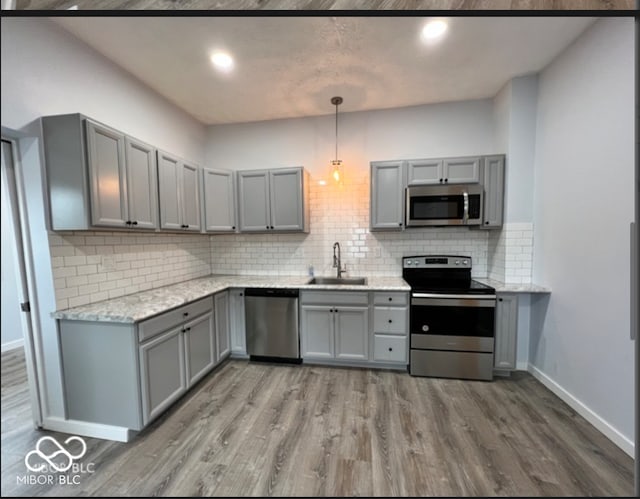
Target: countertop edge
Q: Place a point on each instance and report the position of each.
(502, 287)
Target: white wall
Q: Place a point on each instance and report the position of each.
(11, 332)
(583, 200)
(45, 70)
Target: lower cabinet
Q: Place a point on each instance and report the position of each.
(236, 322)
(390, 328)
(506, 331)
(334, 326)
(162, 372)
(127, 374)
(223, 342)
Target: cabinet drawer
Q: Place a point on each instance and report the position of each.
(387, 348)
(390, 299)
(390, 320)
(334, 298)
(151, 327)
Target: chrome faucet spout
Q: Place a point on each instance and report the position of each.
(336, 261)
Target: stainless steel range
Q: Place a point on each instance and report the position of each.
(452, 318)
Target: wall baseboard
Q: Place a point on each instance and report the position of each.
(12, 345)
(601, 425)
(84, 429)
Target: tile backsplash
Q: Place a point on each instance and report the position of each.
(93, 266)
(341, 213)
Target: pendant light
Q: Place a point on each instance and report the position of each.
(336, 163)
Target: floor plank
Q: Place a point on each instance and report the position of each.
(278, 430)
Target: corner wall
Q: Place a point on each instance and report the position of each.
(583, 200)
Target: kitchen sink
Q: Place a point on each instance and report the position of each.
(338, 280)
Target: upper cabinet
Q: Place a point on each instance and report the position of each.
(97, 176)
(179, 186)
(219, 200)
(273, 200)
(493, 181)
(444, 171)
(387, 195)
(389, 180)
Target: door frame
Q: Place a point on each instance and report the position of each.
(30, 326)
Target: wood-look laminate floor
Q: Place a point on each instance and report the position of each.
(263, 429)
(331, 4)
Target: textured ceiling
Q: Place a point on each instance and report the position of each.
(291, 66)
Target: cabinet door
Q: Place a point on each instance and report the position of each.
(424, 171)
(169, 191)
(285, 194)
(352, 333)
(387, 195)
(190, 196)
(316, 332)
(223, 344)
(106, 161)
(506, 331)
(253, 200)
(142, 186)
(219, 201)
(493, 180)
(199, 347)
(162, 373)
(461, 170)
(237, 325)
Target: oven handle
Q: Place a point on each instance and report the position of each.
(465, 217)
(488, 301)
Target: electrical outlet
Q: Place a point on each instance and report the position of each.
(108, 263)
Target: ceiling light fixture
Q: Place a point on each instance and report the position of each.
(222, 61)
(336, 163)
(434, 29)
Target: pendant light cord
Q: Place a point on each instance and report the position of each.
(337, 131)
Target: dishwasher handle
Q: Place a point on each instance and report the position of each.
(272, 292)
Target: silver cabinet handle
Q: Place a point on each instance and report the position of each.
(465, 217)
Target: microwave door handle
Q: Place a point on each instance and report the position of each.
(465, 216)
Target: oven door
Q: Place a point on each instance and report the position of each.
(444, 205)
(452, 322)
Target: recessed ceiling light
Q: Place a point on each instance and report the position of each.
(434, 29)
(222, 61)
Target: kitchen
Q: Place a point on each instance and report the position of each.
(517, 120)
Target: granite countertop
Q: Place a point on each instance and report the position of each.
(502, 287)
(140, 306)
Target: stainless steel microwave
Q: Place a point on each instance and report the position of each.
(454, 204)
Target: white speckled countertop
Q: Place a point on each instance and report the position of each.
(502, 287)
(140, 306)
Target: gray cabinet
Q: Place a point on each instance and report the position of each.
(273, 200)
(387, 195)
(223, 342)
(334, 326)
(199, 347)
(97, 176)
(219, 200)
(237, 322)
(493, 182)
(506, 331)
(443, 171)
(390, 327)
(162, 372)
(179, 192)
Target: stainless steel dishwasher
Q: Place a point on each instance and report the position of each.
(271, 320)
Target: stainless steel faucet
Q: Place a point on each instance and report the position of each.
(336, 261)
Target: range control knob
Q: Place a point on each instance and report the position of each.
(465, 262)
(407, 263)
(457, 262)
(416, 262)
(425, 328)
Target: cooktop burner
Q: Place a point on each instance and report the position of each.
(442, 274)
